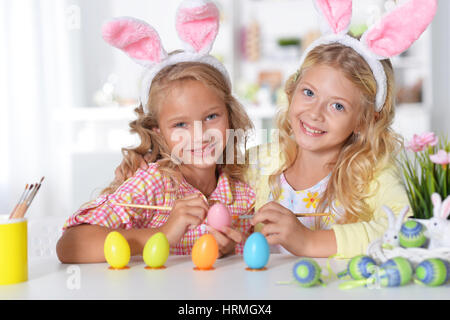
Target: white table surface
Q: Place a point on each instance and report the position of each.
(49, 279)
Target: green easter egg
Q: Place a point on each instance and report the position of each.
(361, 267)
(433, 272)
(395, 272)
(412, 234)
(307, 272)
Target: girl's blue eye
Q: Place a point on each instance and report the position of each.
(180, 125)
(212, 116)
(338, 106)
(308, 92)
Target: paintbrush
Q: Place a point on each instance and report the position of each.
(26, 201)
(139, 206)
(21, 203)
(33, 194)
(298, 215)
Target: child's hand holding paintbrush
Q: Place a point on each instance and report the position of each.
(138, 206)
(25, 200)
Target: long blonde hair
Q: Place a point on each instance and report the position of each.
(152, 143)
(375, 146)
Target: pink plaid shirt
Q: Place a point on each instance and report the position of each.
(150, 187)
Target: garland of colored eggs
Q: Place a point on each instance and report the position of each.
(359, 267)
(395, 272)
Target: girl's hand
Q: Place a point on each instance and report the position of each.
(282, 227)
(226, 240)
(187, 213)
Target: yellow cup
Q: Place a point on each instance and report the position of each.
(13, 250)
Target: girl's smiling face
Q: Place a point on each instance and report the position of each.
(193, 120)
(324, 110)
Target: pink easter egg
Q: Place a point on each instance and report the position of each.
(219, 216)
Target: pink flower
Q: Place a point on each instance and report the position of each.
(419, 143)
(442, 158)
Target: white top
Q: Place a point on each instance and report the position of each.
(305, 201)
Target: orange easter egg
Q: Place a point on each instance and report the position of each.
(205, 252)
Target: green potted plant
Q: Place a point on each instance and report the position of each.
(425, 164)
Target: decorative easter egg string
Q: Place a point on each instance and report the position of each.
(359, 283)
(358, 268)
(393, 273)
(330, 271)
(387, 246)
(356, 283)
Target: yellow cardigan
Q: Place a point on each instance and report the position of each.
(353, 238)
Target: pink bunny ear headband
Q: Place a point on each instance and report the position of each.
(197, 24)
(392, 35)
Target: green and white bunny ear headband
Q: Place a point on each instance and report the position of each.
(393, 34)
(197, 25)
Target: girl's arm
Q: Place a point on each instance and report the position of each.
(84, 243)
(319, 244)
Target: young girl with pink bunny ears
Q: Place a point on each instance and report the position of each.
(337, 149)
(184, 119)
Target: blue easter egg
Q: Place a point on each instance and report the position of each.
(307, 272)
(256, 251)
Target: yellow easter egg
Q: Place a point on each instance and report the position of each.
(116, 250)
(156, 250)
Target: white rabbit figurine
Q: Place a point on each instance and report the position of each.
(391, 236)
(439, 227)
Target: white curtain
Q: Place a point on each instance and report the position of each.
(35, 81)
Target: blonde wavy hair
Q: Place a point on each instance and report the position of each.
(375, 146)
(153, 146)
